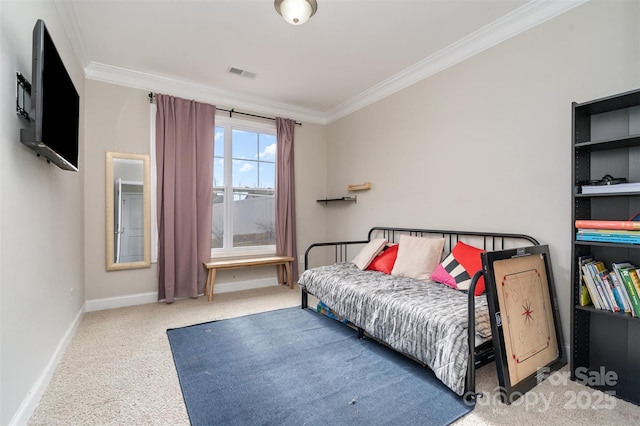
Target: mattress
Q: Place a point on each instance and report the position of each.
(424, 320)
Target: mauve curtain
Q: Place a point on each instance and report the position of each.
(184, 162)
(285, 194)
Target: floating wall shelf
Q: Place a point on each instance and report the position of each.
(330, 200)
(359, 187)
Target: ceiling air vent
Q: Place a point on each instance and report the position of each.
(243, 73)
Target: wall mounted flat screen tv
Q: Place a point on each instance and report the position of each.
(55, 105)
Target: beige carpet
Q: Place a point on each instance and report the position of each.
(118, 370)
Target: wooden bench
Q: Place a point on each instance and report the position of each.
(283, 263)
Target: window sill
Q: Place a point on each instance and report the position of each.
(244, 252)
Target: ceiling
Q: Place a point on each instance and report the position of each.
(348, 55)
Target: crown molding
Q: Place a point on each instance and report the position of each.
(199, 92)
(520, 20)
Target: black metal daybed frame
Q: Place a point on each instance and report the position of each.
(489, 241)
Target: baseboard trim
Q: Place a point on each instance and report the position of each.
(31, 401)
(152, 297)
(121, 301)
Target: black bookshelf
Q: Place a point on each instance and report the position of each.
(605, 140)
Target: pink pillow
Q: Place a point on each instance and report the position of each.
(442, 276)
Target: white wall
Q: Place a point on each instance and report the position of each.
(41, 227)
(486, 145)
(117, 119)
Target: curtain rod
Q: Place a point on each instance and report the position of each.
(231, 111)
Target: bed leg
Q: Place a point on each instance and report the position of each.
(470, 391)
(360, 333)
(305, 302)
(471, 397)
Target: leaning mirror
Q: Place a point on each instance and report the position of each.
(127, 211)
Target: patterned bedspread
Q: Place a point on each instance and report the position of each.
(427, 321)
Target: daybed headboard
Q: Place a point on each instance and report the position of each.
(490, 241)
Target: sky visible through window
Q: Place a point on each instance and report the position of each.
(244, 186)
(253, 159)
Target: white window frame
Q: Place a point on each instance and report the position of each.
(231, 123)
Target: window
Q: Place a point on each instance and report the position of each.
(243, 215)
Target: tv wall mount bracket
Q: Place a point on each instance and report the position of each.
(23, 96)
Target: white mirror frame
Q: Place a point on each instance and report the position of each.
(111, 264)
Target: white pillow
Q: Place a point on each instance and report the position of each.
(368, 252)
(418, 257)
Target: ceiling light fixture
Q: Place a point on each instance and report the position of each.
(296, 12)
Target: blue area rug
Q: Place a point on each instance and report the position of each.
(294, 366)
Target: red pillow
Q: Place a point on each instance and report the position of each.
(469, 257)
(384, 261)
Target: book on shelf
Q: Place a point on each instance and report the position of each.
(610, 189)
(628, 225)
(635, 279)
(607, 232)
(584, 284)
(608, 238)
(616, 268)
(616, 289)
(621, 291)
(605, 283)
(625, 273)
(596, 295)
(585, 298)
(617, 295)
(594, 269)
(596, 298)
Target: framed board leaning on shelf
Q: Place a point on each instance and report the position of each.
(525, 321)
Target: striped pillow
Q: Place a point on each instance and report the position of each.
(457, 269)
